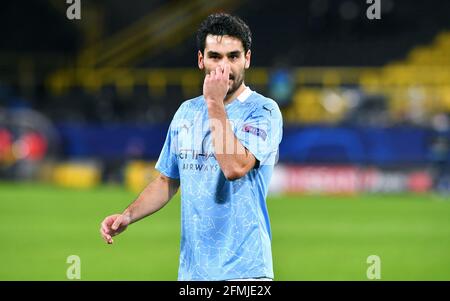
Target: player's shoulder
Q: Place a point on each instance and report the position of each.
(264, 105)
(193, 104)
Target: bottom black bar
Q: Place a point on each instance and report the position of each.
(213, 290)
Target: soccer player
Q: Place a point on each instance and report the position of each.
(220, 149)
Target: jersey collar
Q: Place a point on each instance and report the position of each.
(245, 94)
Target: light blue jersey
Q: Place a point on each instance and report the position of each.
(225, 229)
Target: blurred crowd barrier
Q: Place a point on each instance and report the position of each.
(349, 180)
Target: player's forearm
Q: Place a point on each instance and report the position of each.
(152, 198)
(234, 159)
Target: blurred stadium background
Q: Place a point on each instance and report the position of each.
(364, 161)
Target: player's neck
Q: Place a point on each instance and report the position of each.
(229, 98)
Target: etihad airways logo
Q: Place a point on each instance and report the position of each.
(190, 154)
(195, 138)
(200, 167)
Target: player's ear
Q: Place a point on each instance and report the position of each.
(247, 59)
(201, 65)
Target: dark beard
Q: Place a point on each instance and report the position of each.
(236, 85)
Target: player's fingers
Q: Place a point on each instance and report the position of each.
(226, 72)
(108, 221)
(104, 231)
(219, 72)
(117, 222)
(212, 74)
(106, 237)
(105, 234)
(108, 240)
(105, 228)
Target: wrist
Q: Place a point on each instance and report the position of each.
(214, 104)
(128, 216)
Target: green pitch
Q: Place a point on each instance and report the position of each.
(314, 237)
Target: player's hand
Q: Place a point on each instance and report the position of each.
(215, 86)
(113, 225)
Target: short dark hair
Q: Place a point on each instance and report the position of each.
(222, 24)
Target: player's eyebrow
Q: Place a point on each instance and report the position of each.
(213, 53)
(235, 52)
